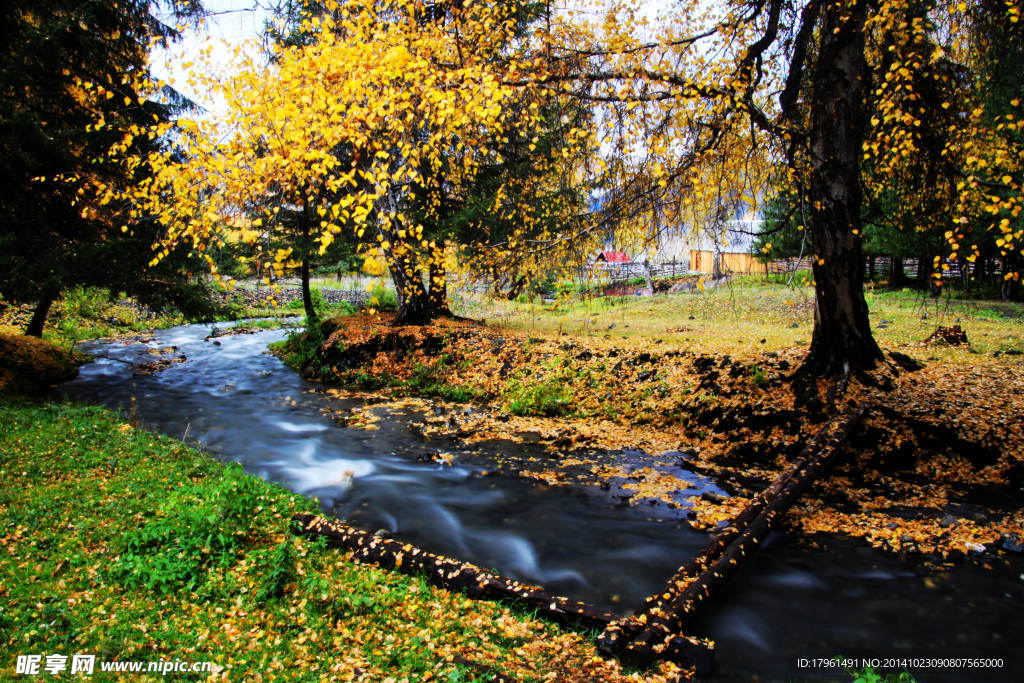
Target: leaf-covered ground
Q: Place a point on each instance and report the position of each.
(29, 365)
(938, 466)
(131, 546)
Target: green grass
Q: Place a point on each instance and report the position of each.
(750, 315)
(88, 313)
(548, 398)
(432, 380)
(129, 545)
(321, 305)
(299, 350)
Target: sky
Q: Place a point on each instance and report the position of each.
(230, 23)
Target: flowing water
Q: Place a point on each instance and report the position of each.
(244, 405)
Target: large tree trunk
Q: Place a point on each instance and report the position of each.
(447, 572)
(38, 321)
(897, 277)
(414, 305)
(439, 285)
(415, 310)
(842, 339)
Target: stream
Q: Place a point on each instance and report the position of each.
(790, 602)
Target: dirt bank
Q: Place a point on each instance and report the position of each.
(936, 468)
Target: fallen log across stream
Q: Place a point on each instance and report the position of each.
(648, 634)
(478, 583)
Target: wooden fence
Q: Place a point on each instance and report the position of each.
(702, 261)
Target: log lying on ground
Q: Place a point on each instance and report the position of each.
(448, 573)
(648, 634)
(474, 581)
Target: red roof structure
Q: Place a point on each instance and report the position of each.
(613, 257)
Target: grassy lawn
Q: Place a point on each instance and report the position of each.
(750, 316)
(131, 546)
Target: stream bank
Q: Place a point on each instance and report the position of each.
(389, 466)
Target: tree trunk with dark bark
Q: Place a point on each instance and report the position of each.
(515, 288)
(897, 277)
(307, 295)
(647, 634)
(39, 315)
(1008, 287)
(417, 305)
(842, 339)
(438, 295)
(979, 272)
(924, 270)
(305, 246)
(414, 306)
(448, 573)
(478, 583)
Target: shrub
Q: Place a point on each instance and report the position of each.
(382, 298)
(301, 350)
(871, 675)
(29, 365)
(801, 278)
(316, 297)
(343, 308)
(86, 302)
